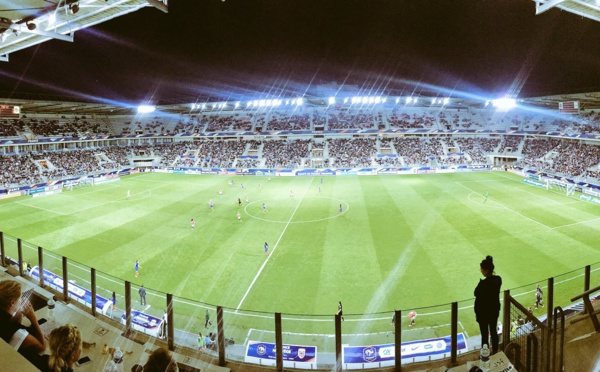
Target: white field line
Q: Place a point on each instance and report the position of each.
(576, 223)
(43, 209)
(94, 190)
(97, 205)
(491, 205)
(507, 208)
(539, 196)
(274, 247)
(571, 202)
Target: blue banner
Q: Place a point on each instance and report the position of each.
(258, 352)
(383, 353)
(76, 292)
(144, 322)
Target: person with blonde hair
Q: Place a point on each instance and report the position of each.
(65, 349)
(27, 341)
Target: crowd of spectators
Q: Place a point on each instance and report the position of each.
(248, 163)
(286, 154)
(47, 128)
(352, 152)
(300, 118)
(149, 125)
(575, 158)
(473, 148)
(18, 169)
(563, 156)
(285, 121)
(398, 119)
(356, 119)
(221, 153)
(510, 142)
(7, 128)
(188, 125)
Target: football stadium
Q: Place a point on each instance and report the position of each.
(331, 229)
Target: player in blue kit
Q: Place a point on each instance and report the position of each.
(266, 249)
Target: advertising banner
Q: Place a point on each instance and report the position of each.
(264, 353)
(76, 292)
(383, 353)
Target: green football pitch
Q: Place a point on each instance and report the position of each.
(401, 242)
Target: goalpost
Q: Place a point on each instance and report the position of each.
(561, 187)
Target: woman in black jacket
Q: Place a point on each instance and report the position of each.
(487, 303)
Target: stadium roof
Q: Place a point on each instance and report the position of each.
(25, 23)
(585, 8)
(17, 18)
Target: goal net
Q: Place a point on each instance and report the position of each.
(561, 187)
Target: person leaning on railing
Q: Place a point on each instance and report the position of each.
(27, 341)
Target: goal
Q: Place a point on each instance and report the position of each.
(561, 187)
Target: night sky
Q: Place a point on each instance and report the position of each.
(244, 48)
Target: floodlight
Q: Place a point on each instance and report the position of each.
(408, 99)
(384, 100)
(203, 106)
(299, 101)
(332, 100)
(145, 109)
(397, 100)
(237, 104)
(377, 99)
(446, 100)
(365, 99)
(504, 104)
(346, 100)
(434, 101)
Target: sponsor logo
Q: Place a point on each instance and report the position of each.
(369, 354)
(261, 349)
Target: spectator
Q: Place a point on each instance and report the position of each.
(159, 361)
(29, 342)
(487, 303)
(65, 349)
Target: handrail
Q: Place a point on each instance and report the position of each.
(588, 308)
(586, 293)
(561, 365)
(534, 347)
(532, 352)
